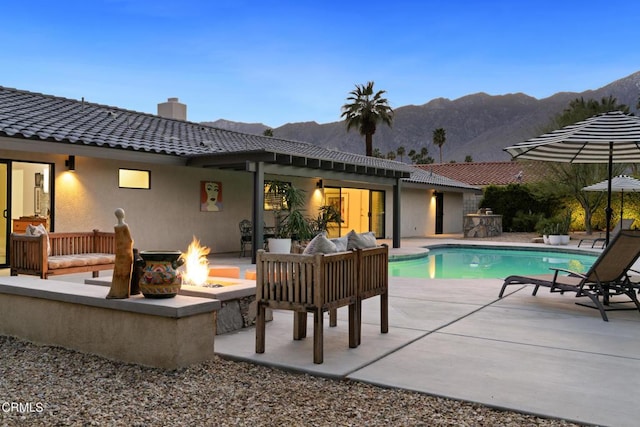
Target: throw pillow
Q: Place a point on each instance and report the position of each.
(341, 243)
(361, 240)
(320, 245)
(39, 230)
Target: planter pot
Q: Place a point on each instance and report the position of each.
(160, 277)
(564, 239)
(545, 239)
(280, 246)
(554, 239)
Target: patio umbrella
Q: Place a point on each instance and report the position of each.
(620, 183)
(612, 137)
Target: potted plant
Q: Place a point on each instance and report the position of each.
(328, 214)
(560, 230)
(545, 227)
(290, 221)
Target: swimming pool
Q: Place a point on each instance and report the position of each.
(484, 262)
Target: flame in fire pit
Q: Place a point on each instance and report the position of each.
(196, 264)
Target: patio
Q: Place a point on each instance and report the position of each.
(541, 355)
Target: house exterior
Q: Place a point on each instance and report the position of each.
(71, 163)
(483, 174)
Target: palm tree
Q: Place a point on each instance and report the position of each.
(365, 110)
(439, 138)
(400, 150)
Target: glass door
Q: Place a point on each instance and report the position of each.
(4, 207)
(332, 197)
(377, 213)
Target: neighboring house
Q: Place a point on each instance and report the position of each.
(74, 162)
(483, 174)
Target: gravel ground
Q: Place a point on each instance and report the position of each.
(50, 386)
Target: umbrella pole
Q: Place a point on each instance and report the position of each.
(608, 212)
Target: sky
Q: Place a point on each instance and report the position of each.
(285, 61)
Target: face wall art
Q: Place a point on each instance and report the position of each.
(210, 196)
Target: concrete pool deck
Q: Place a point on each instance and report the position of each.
(453, 338)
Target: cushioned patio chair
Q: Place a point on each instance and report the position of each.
(623, 224)
(608, 276)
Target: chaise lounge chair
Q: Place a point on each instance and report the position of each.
(623, 224)
(608, 276)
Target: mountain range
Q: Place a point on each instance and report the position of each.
(477, 125)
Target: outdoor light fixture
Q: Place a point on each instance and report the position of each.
(319, 184)
(70, 163)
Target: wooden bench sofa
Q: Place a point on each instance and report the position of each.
(62, 253)
(319, 283)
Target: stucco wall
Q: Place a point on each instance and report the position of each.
(417, 210)
(165, 217)
(453, 218)
(418, 213)
(168, 215)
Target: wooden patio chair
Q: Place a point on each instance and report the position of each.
(608, 276)
(306, 284)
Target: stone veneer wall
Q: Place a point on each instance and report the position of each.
(476, 225)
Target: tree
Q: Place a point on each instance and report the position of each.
(365, 110)
(400, 151)
(570, 178)
(468, 158)
(391, 155)
(422, 157)
(268, 132)
(439, 138)
(376, 153)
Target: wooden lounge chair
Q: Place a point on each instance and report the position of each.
(608, 276)
(623, 224)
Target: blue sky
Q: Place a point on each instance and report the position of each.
(285, 61)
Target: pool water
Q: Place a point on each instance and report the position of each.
(487, 263)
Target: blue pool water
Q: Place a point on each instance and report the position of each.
(457, 262)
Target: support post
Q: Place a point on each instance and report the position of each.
(609, 210)
(257, 216)
(396, 213)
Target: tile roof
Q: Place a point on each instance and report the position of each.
(489, 173)
(37, 116)
(422, 176)
(49, 118)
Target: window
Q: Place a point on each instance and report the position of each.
(274, 195)
(131, 178)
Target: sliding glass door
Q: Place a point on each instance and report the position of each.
(4, 207)
(361, 210)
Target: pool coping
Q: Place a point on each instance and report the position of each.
(540, 248)
(423, 251)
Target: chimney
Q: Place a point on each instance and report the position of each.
(172, 109)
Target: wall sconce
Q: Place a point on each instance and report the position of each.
(319, 184)
(70, 163)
